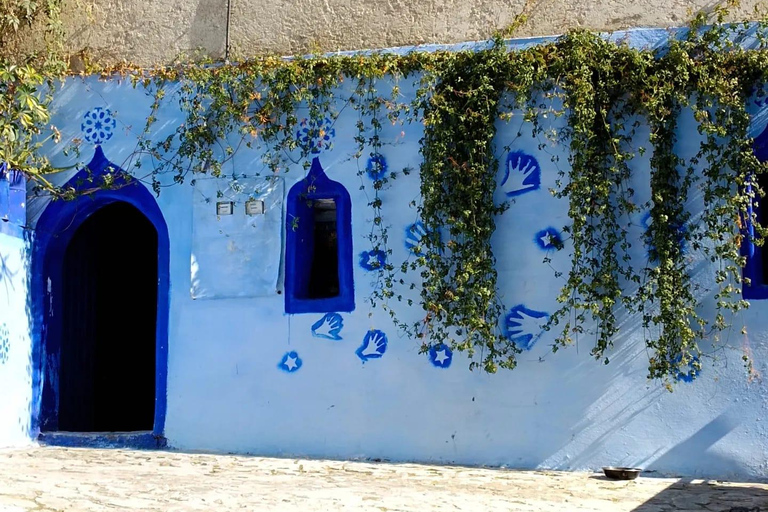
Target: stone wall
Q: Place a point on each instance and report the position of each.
(155, 32)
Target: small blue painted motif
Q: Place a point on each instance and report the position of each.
(291, 362)
(440, 356)
(680, 232)
(328, 327)
(691, 374)
(523, 174)
(414, 235)
(6, 274)
(373, 259)
(376, 167)
(316, 135)
(524, 326)
(374, 345)
(548, 239)
(5, 344)
(98, 125)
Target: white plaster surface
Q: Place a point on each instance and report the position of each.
(253, 250)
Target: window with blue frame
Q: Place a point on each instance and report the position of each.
(756, 268)
(318, 253)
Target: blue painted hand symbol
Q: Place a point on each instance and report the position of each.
(374, 345)
(523, 174)
(328, 327)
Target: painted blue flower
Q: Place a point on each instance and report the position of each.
(316, 135)
(376, 167)
(373, 259)
(523, 174)
(290, 362)
(414, 236)
(691, 374)
(5, 344)
(328, 327)
(524, 326)
(98, 125)
(679, 230)
(374, 345)
(548, 239)
(440, 356)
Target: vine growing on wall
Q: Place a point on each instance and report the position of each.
(25, 79)
(605, 90)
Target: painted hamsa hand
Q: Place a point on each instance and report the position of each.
(524, 326)
(328, 327)
(374, 345)
(523, 174)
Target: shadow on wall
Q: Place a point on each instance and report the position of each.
(32, 423)
(623, 403)
(619, 406)
(208, 30)
(712, 496)
(147, 33)
(678, 458)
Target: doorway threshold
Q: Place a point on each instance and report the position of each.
(141, 440)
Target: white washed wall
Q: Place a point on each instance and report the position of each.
(15, 345)
(228, 392)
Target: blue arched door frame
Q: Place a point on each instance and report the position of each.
(53, 232)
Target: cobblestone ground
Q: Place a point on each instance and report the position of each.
(57, 479)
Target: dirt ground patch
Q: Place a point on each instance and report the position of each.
(65, 479)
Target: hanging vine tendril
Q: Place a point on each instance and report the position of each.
(605, 90)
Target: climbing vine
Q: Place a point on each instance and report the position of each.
(604, 90)
(25, 79)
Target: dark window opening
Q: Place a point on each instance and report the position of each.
(762, 217)
(755, 272)
(107, 358)
(324, 272)
(318, 246)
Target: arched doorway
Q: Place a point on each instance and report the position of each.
(109, 287)
(100, 271)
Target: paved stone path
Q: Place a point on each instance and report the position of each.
(62, 479)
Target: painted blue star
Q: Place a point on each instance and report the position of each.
(440, 356)
(372, 260)
(290, 362)
(548, 238)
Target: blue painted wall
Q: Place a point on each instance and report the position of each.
(244, 376)
(16, 405)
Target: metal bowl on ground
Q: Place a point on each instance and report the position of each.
(619, 473)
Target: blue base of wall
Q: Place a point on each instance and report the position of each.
(136, 440)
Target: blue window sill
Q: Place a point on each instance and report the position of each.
(330, 305)
(754, 291)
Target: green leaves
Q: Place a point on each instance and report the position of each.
(458, 179)
(605, 91)
(23, 115)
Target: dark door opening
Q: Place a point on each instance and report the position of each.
(107, 362)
